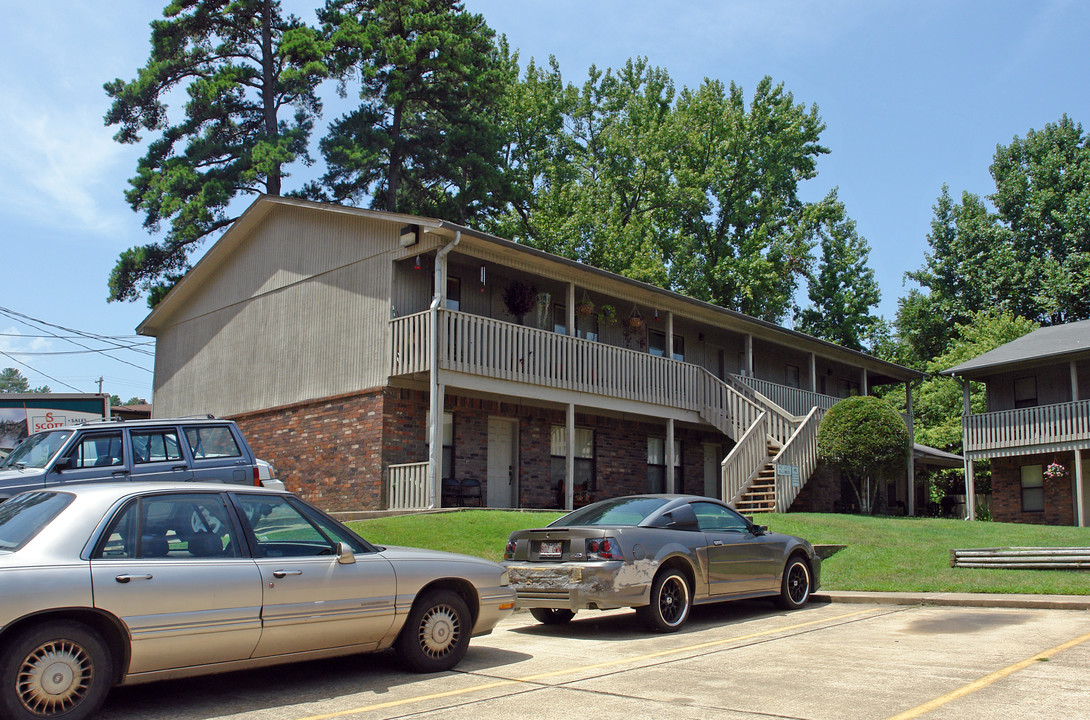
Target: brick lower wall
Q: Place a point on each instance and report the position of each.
(1007, 490)
(329, 451)
(334, 451)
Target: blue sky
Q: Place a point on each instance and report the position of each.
(914, 95)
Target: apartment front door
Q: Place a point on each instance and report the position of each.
(712, 461)
(502, 461)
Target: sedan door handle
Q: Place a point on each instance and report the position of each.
(120, 473)
(126, 578)
(285, 573)
(179, 468)
(717, 542)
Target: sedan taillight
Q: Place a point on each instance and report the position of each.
(604, 549)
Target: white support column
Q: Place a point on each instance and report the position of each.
(970, 491)
(670, 459)
(911, 507)
(813, 373)
(437, 390)
(748, 369)
(1080, 487)
(569, 460)
(1080, 491)
(863, 389)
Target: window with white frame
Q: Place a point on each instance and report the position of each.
(656, 465)
(1033, 488)
(584, 459)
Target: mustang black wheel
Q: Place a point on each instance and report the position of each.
(54, 670)
(436, 633)
(670, 602)
(795, 588)
(551, 616)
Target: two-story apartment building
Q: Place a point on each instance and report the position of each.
(384, 360)
(1036, 417)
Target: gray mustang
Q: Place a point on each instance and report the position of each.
(660, 554)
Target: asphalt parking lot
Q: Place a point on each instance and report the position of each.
(735, 661)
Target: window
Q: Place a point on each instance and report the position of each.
(792, 376)
(183, 526)
(560, 319)
(1025, 392)
(1033, 488)
(715, 518)
(150, 446)
(99, 450)
(283, 529)
(454, 293)
(585, 481)
(586, 326)
(656, 345)
(215, 441)
(849, 388)
(656, 465)
(448, 443)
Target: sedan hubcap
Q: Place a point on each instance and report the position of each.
(439, 631)
(54, 678)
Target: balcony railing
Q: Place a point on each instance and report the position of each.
(1043, 429)
(796, 401)
(493, 348)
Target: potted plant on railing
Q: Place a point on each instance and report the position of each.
(519, 298)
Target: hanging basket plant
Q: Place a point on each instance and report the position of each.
(635, 320)
(519, 298)
(585, 307)
(607, 315)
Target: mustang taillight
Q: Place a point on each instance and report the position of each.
(509, 551)
(604, 549)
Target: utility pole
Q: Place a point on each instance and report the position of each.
(99, 384)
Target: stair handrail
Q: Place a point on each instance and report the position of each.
(745, 460)
(800, 450)
(781, 423)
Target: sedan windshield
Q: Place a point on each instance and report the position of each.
(24, 515)
(618, 511)
(37, 450)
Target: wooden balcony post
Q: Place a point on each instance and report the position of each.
(813, 373)
(1080, 490)
(670, 459)
(970, 491)
(911, 448)
(748, 369)
(569, 459)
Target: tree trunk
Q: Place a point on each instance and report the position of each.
(393, 180)
(268, 92)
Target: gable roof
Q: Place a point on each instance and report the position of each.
(1043, 346)
(240, 231)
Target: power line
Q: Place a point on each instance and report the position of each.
(72, 352)
(34, 369)
(21, 318)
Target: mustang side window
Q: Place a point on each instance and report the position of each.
(713, 518)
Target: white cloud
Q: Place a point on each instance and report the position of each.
(13, 341)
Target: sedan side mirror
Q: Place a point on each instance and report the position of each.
(344, 554)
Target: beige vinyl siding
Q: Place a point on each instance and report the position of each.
(305, 315)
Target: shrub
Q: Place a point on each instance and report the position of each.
(867, 440)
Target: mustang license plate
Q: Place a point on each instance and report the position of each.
(550, 549)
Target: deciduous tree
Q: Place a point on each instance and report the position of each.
(867, 440)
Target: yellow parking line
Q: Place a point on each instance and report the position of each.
(988, 680)
(577, 669)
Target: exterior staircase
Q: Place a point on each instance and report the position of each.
(760, 495)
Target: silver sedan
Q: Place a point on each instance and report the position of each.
(118, 584)
(660, 554)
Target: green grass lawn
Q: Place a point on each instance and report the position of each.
(888, 554)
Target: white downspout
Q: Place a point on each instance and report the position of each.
(436, 389)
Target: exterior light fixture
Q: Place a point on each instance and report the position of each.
(409, 235)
